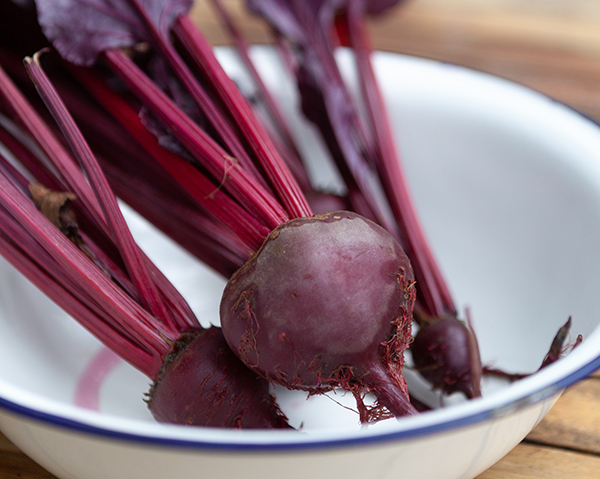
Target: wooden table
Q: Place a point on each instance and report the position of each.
(551, 46)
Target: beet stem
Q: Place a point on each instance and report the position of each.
(220, 164)
(216, 117)
(278, 119)
(432, 285)
(38, 130)
(53, 287)
(277, 171)
(200, 188)
(74, 264)
(112, 214)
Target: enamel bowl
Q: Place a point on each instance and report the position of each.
(507, 183)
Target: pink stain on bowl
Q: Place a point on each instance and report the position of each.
(87, 389)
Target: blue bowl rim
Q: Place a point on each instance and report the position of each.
(79, 426)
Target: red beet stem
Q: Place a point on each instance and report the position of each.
(127, 316)
(221, 206)
(117, 226)
(203, 236)
(219, 163)
(215, 116)
(177, 304)
(269, 158)
(37, 128)
(25, 156)
(277, 117)
(41, 275)
(432, 286)
(69, 265)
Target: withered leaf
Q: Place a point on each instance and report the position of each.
(54, 205)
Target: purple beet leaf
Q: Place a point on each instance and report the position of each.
(80, 30)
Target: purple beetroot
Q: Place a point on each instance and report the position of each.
(362, 144)
(326, 302)
(219, 390)
(446, 353)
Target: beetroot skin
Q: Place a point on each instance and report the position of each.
(203, 383)
(446, 353)
(326, 302)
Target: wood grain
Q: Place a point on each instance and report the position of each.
(574, 422)
(14, 464)
(528, 461)
(537, 47)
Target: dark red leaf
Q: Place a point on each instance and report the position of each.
(54, 205)
(81, 29)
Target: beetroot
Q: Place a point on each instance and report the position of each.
(326, 302)
(359, 140)
(220, 391)
(446, 353)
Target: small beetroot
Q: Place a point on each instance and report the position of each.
(326, 302)
(220, 391)
(446, 353)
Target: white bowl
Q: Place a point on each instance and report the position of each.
(507, 183)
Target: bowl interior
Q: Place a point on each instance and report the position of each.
(507, 183)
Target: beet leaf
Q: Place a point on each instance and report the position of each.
(81, 30)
